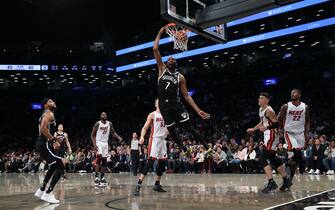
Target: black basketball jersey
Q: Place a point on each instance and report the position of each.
(168, 87)
(51, 125)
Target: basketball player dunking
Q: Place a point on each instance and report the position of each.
(65, 144)
(45, 146)
(101, 133)
(294, 121)
(268, 125)
(156, 148)
(170, 84)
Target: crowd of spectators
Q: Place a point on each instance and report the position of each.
(233, 110)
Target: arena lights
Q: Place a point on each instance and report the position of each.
(270, 81)
(265, 14)
(21, 67)
(235, 43)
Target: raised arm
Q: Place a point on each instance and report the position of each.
(146, 126)
(307, 122)
(190, 100)
(94, 135)
(157, 54)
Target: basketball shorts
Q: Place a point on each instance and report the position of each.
(102, 148)
(173, 113)
(294, 140)
(157, 148)
(46, 151)
(271, 140)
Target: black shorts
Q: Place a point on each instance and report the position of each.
(46, 151)
(173, 113)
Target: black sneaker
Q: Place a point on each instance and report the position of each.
(287, 183)
(137, 190)
(271, 186)
(158, 188)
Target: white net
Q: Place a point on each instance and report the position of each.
(179, 35)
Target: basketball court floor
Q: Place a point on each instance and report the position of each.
(193, 191)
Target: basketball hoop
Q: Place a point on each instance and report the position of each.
(179, 35)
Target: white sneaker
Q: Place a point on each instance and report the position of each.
(39, 193)
(317, 172)
(273, 172)
(328, 172)
(331, 172)
(311, 171)
(49, 197)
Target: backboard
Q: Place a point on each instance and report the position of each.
(183, 12)
(208, 17)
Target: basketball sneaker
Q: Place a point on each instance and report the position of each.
(158, 188)
(103, 182)
(287, 183)
(49, 197)
(137, 190)
(269, 187)
(39, 193)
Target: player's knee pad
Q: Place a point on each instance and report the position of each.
(99, 158)
(161, 167)
(104, 162)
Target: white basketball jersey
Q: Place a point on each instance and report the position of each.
(158, 128)
(264, 119)
(103, 132)
(295, 118)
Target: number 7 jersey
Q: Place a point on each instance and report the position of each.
(168, 87)
(295, 118)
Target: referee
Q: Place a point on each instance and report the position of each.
(135, 154)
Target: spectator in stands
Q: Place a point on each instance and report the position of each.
(329, 160)
(317, 157)
(249, 161)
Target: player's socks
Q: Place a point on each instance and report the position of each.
(157, 182)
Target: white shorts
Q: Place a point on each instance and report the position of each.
(294, 140)
(271, 140)
(102, 148)
(157, 148)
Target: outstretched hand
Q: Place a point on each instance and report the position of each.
(204, 115)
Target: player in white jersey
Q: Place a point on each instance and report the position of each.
(156, 148)
(294, 122)
(101, 133)
(268, 125)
